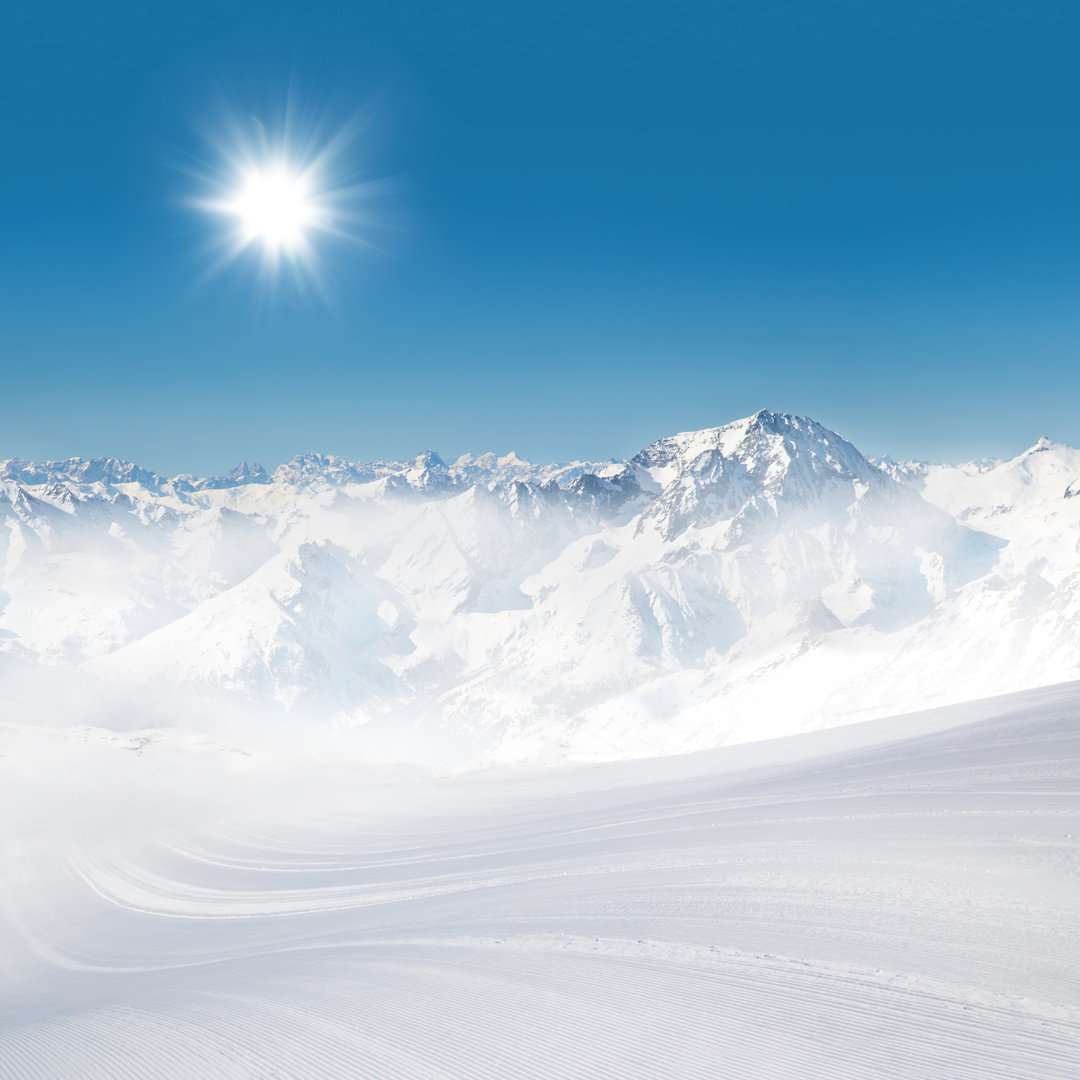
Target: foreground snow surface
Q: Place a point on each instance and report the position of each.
(892, 899)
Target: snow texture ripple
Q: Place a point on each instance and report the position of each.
(891, 899)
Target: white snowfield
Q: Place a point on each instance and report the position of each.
(756, 579)
(893, 899)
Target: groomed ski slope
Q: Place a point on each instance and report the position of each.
(893, 899)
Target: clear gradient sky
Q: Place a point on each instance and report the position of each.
(607, 222)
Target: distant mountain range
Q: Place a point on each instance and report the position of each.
(749, 580)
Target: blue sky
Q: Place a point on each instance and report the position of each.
(606, 222)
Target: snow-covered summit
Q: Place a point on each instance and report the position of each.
(759, 442)
(764, 465)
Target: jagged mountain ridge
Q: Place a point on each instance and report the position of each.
(425, 471)
(732, 583)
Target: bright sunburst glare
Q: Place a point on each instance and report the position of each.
(284, 194)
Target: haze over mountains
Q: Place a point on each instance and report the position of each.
(749, 580)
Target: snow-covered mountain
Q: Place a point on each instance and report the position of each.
(721, 585)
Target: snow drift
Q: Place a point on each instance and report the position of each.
(888, 899)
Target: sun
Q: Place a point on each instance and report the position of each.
(287, 197)
(275, 207)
